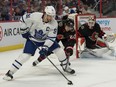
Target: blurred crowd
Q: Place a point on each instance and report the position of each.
(109, 7)
(14, 9)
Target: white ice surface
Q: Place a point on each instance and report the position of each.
(92, 72)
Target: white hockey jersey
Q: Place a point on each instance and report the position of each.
(41, 31)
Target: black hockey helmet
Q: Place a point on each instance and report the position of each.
(69, 22)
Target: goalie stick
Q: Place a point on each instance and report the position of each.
(69, 81)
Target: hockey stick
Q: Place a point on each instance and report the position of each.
(69, 81)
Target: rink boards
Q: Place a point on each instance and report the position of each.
(10, 37)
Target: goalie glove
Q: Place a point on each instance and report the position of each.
(109, 37)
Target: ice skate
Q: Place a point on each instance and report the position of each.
(69, 70)
(8, 76)
(66, 67)
(35, 63)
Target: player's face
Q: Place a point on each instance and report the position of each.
(47, 18)
(67, 11)
(68, 28)
(91, 24)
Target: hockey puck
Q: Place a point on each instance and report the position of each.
(70, 83)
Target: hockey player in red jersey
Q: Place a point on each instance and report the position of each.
(95, 45)
(66, 34)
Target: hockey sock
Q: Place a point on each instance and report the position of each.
(41, 58)
(19, 62)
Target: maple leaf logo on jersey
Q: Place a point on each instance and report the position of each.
(94, 36)
(39, 34)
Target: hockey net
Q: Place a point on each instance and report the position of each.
(78, 21)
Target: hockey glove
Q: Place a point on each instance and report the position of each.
(60, 36)
(69, 51)
(26, 35)
(43, 51)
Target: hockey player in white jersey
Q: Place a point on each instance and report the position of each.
(42, 29)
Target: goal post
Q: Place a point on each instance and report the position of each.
(79, 19)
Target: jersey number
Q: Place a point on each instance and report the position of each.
(55, 31)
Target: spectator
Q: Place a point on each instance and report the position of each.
(4, 8)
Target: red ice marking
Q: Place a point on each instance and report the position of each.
(1, 74)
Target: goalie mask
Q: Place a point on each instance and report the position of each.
(91, 22)
(69, 24)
